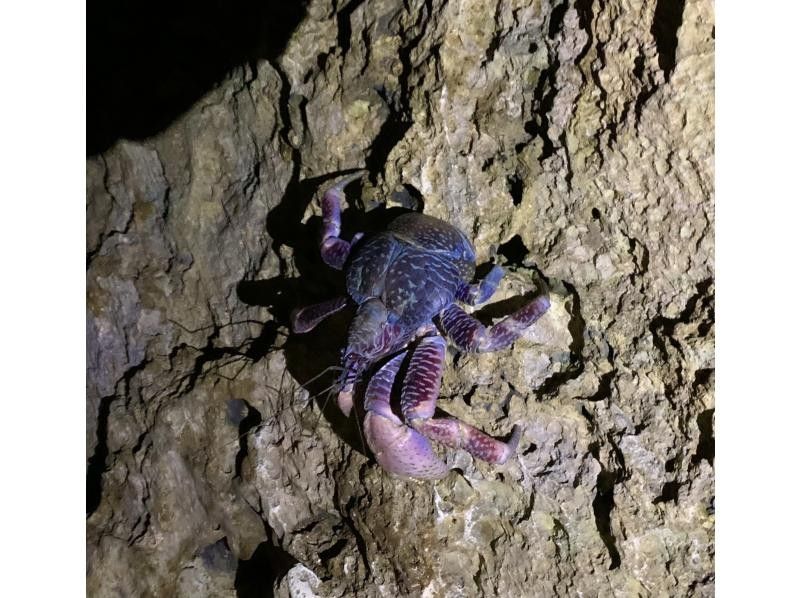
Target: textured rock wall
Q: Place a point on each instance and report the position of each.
(574, 142)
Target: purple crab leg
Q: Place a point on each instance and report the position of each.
(306, 318)
(334, 250)
(397, 448)
(423, 379)
(456, 434)
(418, 404)
(377, 397)
(470, 335)
(480, 292)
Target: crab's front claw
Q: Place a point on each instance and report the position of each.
(399, 449)
(402, 450)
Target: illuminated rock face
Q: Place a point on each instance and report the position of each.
(576, 139)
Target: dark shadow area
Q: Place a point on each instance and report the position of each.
(250, 419)
(544, 93)
(218, 556)
(705, 446)
(333, 551)
(263, 343)
(256, 577)
(516, 186)
(604, 388)
(667, 20)
(398, 102)
(663, 328)
(147, 62)
(514, 250)
(602, 505)
(669, 493)
(97, 462)
(410, 198)
(392, 131)
(555, 21)
(585, 18)
(500, 309)
(577, 329)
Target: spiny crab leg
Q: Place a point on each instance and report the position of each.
(397, 448)
(404, 448)
(480, 292)
(418, 404)
(334, 250)
(306, 318)
(470, 335)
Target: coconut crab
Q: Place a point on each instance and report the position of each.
(406, 282)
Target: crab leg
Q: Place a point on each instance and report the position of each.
(418, 403)
(456, 434)
(397, 448)
(473, 294)
(334, 250)
(470, 335)
(413, 456)
(306, 318)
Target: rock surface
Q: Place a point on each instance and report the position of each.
(574, 142)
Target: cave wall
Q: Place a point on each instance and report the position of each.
(574, 142)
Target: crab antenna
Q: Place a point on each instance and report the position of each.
(331, 390)
(313, 379)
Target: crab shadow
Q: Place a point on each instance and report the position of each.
(312, 358)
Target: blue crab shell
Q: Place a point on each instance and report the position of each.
(415, 268)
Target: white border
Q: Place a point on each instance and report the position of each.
(43, 232)
(42, 139)
(757, 233)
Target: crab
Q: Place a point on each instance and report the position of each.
(407, 283)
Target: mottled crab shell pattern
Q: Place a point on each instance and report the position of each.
(415, 268)
(406, 282)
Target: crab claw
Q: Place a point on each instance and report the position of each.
(399, 449)
(402, 450)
